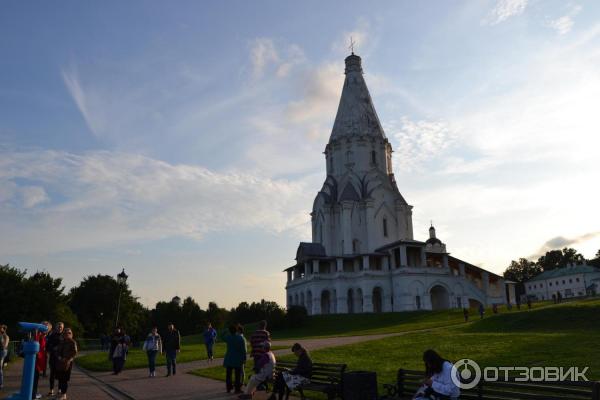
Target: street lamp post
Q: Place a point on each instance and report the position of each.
(121, 280)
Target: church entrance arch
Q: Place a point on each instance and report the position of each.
(350, 300)
(325, 302)
(377, 300)
(440, 299)
(474, 304)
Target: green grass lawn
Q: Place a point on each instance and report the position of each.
(563, 335)
(98, 361)
(370, 324)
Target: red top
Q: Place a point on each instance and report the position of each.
(40, 358)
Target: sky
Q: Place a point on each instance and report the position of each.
(183, 141)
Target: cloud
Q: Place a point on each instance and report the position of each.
(264, 54)
(513, 161)
(504, 10)
(417, 142)
(360, 36)
(33, 195)
(559, 242)
(119, 198)
(72, 81)
(321, 90)
(564, 24)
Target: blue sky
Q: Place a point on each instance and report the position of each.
(184, 140)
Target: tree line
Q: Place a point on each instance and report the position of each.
(525, 269)
(90, 308)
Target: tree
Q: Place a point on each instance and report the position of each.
(98, 317)
(595, 261)
(522, 270)
(187, 318)
(216, 315)
(36, 298)
(559, 258)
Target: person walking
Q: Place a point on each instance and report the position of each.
(65, 354)
(152, 346)
(53, 340)
(40, 359)
(466, 314)
(172, 346)
(210, 337)
(235, 358)
(118, 351)
(257, 340)
(4, 341)
(481, 310)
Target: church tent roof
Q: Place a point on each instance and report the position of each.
(356, 114)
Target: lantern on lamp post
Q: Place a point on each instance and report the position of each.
(121, 281)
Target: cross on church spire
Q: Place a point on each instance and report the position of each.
(351, 47)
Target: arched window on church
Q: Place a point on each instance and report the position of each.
(373, 157)
(355, 246)
(385, 228)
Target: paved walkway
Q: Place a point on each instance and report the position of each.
(135, 385)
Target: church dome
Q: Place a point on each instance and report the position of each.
(433, 241)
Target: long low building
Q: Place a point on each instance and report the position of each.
(573, 280)
(363, 257)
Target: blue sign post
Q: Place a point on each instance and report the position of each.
(30, 349)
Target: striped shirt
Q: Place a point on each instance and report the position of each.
(256, 341)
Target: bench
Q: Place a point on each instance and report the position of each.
(407, 383)
(325, 378)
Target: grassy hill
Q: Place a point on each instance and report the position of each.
(551, 335)
(576, 316)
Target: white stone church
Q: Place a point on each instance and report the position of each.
(363, 256)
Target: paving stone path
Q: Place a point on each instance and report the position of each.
(135, 385)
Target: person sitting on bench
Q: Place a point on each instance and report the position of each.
(438, 384)
(266, 366)
(286, 381)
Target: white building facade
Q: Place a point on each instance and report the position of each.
(363, 257)
(570, 281)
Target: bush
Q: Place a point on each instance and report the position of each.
(296, 317)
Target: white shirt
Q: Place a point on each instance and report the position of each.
(442, 382)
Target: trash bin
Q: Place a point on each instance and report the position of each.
(359, 385)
